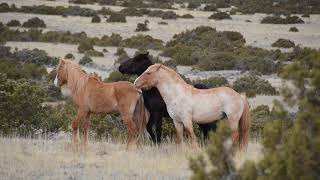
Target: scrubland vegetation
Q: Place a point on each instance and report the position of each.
(205, 48)
(280, 20)
(283, 43)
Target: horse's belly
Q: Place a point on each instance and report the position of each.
(207, 112)
(206, 117)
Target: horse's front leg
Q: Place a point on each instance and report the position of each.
(150, 124)
(75, 125)
(189, 128)
(86, 127)
(179, 131)
(127, 119)
(158, 120)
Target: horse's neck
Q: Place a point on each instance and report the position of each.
(173, 88)
(142, 70)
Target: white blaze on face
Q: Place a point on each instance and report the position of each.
(56, 81)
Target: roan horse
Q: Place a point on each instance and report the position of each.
(187, 104)
(93, 96)
(153, 100)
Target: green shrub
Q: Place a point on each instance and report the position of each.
(82, 1)
(34, 23)
(120, 51)
(96, 19)
(142, 41)
(305, 15)
(36, 56)
(18, 70)
(117, 17)
(293, 29)
(94, 53)
(233, 11)
(169, 15)
(193, 5)
(69, 56)
(106, 11)
(142, 27)
(219, 163)
(180, 54)
(162, 23)
(134, 11)
(220, 16)
(113, 40)
(207, 37)
(58, 10)
(85, 60)
(13, 23)
(253, 85)
(283, 43)
(187, 16)
(209, 61)
(260, 116)
(85, 46)
(29, 117)
(222, 3)
(116, 76)
(280, 20)
(122, 57)
(213, 82)
(183, 58)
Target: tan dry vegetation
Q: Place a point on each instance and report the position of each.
(56, 159)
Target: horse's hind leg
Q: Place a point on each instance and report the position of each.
(233, 121)
(127, 119)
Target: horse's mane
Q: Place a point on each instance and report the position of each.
(172, 72)
(77, 79)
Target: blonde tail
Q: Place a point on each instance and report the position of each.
(141, 116)
(244, 126)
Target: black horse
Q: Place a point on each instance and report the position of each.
(153, 100)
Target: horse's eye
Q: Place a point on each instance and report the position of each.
(148, 73)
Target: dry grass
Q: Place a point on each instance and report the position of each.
(56, 159)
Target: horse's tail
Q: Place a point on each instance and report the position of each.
(244, 126)
(141, 116)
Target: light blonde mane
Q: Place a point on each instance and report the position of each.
(76, 78)
(173, 74)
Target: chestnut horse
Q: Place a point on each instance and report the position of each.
(186, 104)
(93, 96)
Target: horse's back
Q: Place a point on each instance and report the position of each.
(125, 91)
(209, 104)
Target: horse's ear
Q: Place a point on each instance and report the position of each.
(147, 53)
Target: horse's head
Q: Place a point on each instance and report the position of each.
(149, 78)
(136, 65)
(61, 77)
